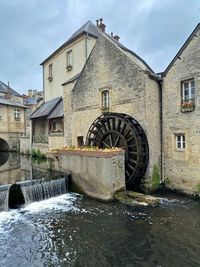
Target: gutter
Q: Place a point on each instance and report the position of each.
(161, 131)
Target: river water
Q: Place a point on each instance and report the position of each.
(72, 230)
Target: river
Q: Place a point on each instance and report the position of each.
(73, 230)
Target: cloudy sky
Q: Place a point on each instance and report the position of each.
(32, 29)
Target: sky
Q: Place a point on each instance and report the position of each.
(30, 30)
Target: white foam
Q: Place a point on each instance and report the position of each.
(65, 202)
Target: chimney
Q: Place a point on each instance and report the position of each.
(116, 37)
(30, 92)
(101, 25)
(7, 93)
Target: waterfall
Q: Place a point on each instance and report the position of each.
(43, 189)
(4, 196)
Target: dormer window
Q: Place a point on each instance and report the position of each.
(50, 78)
(69, 60)
(105, 101)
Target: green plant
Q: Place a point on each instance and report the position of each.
(155, 179)
(37, 154)
(198, 187)
(167, 180)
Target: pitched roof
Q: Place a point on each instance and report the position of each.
(4, 88)
(46, 108)
(128, 50)
(4, 101)
(72, 79)
(57, 112)
(88, 28)
(181, 49)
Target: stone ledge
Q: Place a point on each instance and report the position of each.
(85, 153)
(131, 198)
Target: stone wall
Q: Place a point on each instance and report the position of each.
(96, 174)
(25, 144)
(182, 167)
(56, 142)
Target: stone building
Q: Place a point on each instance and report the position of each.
(130, 86)
(32, 101)
(12, 118)
(94, 74)
(181, 112)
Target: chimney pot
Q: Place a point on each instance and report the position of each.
(116, 37)
(101, 25)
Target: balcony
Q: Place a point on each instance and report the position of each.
(40, 139)
(188, 105)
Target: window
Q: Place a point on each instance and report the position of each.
(180, 141)
(53, 126)
(188, 95)
(17, 114)
(56, 126)
(69, 60)
(188, 90)
(50, 78)
(105, 100)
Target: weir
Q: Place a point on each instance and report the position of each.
(4, 194)
(23, 193)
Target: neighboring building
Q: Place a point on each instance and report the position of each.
(65, 64)
(32, 101)
(12, 118)
(181, 113)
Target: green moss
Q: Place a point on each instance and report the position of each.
(155, 179)
(198, 187)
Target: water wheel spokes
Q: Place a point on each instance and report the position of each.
(121, 130)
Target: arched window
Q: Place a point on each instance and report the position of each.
(105, 99)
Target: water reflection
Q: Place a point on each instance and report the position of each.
(16, 168)
(4, 156)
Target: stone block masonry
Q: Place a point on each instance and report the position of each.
(97, 174)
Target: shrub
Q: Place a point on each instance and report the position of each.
(37, 154)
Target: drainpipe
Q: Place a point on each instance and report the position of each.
(44, 96)
(161, 131)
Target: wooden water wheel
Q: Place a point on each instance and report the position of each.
(120, 130)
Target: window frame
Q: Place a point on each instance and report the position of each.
(69, 59)
(17, 114)
(191, 96)
(180, 141)
(50, 78)
(105, 99)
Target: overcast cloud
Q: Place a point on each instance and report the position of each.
(32, 29)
